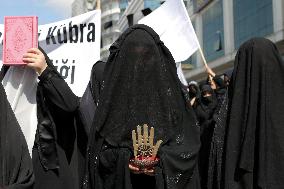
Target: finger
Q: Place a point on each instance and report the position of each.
(34, 50)
(28, 60)
(30, 55)
(135, 146)
(31, 65)
(145, 133)
(133, 168)
(209, 75)
(139, 135)
(151, 138)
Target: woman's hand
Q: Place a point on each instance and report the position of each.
(35, 59)
(212, 82)
(136, 170)
(210, 71)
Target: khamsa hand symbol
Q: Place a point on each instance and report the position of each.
(145, 151)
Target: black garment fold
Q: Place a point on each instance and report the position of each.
(216, 159)
(16, 170)
(90, 98)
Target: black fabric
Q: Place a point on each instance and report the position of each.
(16, 171)
(96, 81)
(215, 163)
(90, 98)
(130, 19)
(186, 94)
(205, 110)
(193, 91)
(141, 86)
(58, 152)
(87, 109)
(254, 139)
(146, 11)
(3, 71)
(108, 25)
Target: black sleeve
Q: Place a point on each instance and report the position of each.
(57, 91)
(87, 109)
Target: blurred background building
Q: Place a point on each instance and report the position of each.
(221, 26)
(82, 6)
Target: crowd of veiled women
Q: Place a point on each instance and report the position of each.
(225, 132)
(206, 99)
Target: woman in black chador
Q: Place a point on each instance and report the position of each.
(60, 142)
(141, 87)
(254, 143)
(16, 171)
(205, 110)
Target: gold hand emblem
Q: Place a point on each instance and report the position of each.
(143, 145)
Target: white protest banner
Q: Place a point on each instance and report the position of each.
(172, 23)
(73, 45)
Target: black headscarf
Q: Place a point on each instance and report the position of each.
(254, 142)
(16, 170)
(193, 90)
(209, 103)
(141, 86)
(206, 106)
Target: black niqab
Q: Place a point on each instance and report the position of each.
(208, 103)
(206, 106)
(141, 86)
(254, 141)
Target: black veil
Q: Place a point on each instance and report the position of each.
(136, 84)
(141, 86)
(254, 138)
